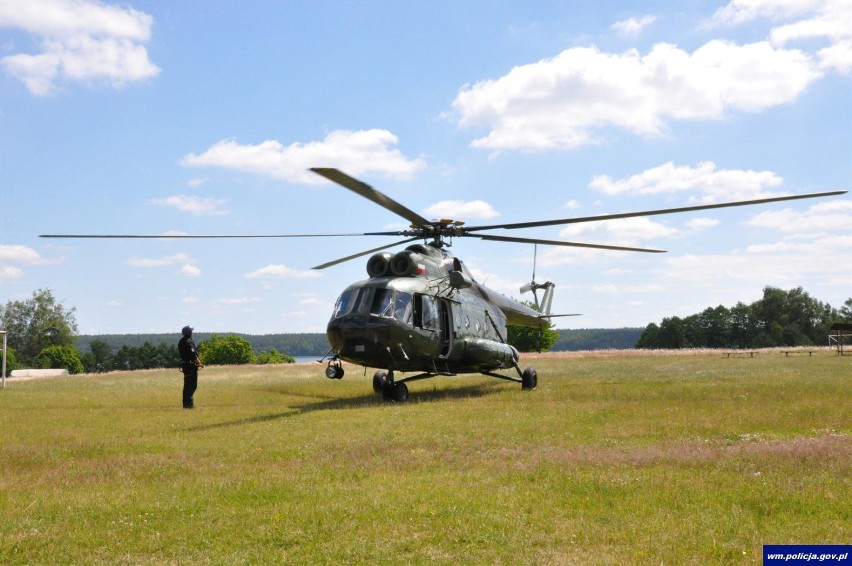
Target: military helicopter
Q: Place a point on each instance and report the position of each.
(421, 311)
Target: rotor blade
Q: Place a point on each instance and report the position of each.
(370, 193)
(561, 243)
(649, 212)
(353, 256)
(191, 236)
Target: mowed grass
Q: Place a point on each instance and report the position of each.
(615, 458)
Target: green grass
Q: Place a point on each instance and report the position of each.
(629, 459)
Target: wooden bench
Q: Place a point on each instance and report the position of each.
(808, 352)
(729, 354)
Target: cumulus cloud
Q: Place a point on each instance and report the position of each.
(355, 152)
(699, 224)
(625, 231)
(461, 209)
(572, 99)
(819, 219)
(175, 259)
(194, 205)
(281, 272)
(189, 270)
(715, 185)
(827, 20)
(632, 26)
(78, 41)
(11, 254)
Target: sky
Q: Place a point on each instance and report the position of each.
(204, 117)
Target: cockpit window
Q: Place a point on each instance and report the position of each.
(402, 307)
(382, 303)
(353, 300)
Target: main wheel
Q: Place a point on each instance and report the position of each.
(529, 379)
(400, 392)
(379, 378)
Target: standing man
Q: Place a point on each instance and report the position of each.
(189, 366)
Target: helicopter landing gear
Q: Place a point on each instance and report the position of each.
(334, 370)
(379, 379)
(529, 379)
(391, 391)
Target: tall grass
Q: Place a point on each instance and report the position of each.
(615, 458)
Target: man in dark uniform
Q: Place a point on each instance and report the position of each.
(189, 366)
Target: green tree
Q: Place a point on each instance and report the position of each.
(846, 310)
(60, 357)
(273, 356)
(37, 323)
(527, 339)
(11, 361)
(99, 358)
(226, 350)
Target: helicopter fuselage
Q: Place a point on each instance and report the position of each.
(422, 311)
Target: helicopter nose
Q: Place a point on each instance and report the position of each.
(353, 338)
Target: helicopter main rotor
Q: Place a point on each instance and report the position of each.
(440, 231)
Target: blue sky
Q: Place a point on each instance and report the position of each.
(203, 117)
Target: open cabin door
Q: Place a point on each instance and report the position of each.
(434, 314)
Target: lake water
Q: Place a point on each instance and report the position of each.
(305, 359)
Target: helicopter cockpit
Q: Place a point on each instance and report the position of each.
(381, 302)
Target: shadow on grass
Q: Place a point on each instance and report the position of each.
(347, 403)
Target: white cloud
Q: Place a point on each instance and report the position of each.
(631, 27)
(10, 272)
(461, 209)
(17, 254)
(837, 57)
(622, 289)
(572, 99)
(357, 153)
(281, 272)
(79, 41)
(716, 184)
(189, 270)
(698, 224)
(572, 205)
(239, 300)
(194, 205)
(625, 231)
(829, 20)
(158, 262)
(829, 216)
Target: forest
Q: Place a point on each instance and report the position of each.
(780, 318)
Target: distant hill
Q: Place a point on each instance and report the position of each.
(315, 344)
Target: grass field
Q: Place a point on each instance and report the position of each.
(616, 458)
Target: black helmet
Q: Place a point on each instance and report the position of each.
(187, 330)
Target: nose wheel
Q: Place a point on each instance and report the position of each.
(390, 390)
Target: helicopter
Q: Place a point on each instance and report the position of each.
(421, 311)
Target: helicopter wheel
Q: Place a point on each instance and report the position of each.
(529, 379)
(400, 392)
(379, 379)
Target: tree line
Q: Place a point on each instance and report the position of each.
(780, 318)
(41, 333)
